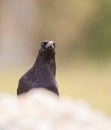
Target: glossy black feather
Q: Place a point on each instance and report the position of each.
(42, 73)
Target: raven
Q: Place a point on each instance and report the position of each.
(42, 74)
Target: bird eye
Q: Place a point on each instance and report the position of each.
(54, 44)
(43, 44)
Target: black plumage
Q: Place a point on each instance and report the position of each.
(42, 73)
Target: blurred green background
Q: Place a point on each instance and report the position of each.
(82, 31)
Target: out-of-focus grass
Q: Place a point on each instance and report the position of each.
(88, 83)
(8, 81)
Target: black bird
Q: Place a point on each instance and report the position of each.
(42, 74)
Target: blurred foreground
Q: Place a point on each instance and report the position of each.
(41, 110)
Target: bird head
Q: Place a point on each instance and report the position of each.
(46, 55)
(47, 47)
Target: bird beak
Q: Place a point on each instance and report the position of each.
(50, 44)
